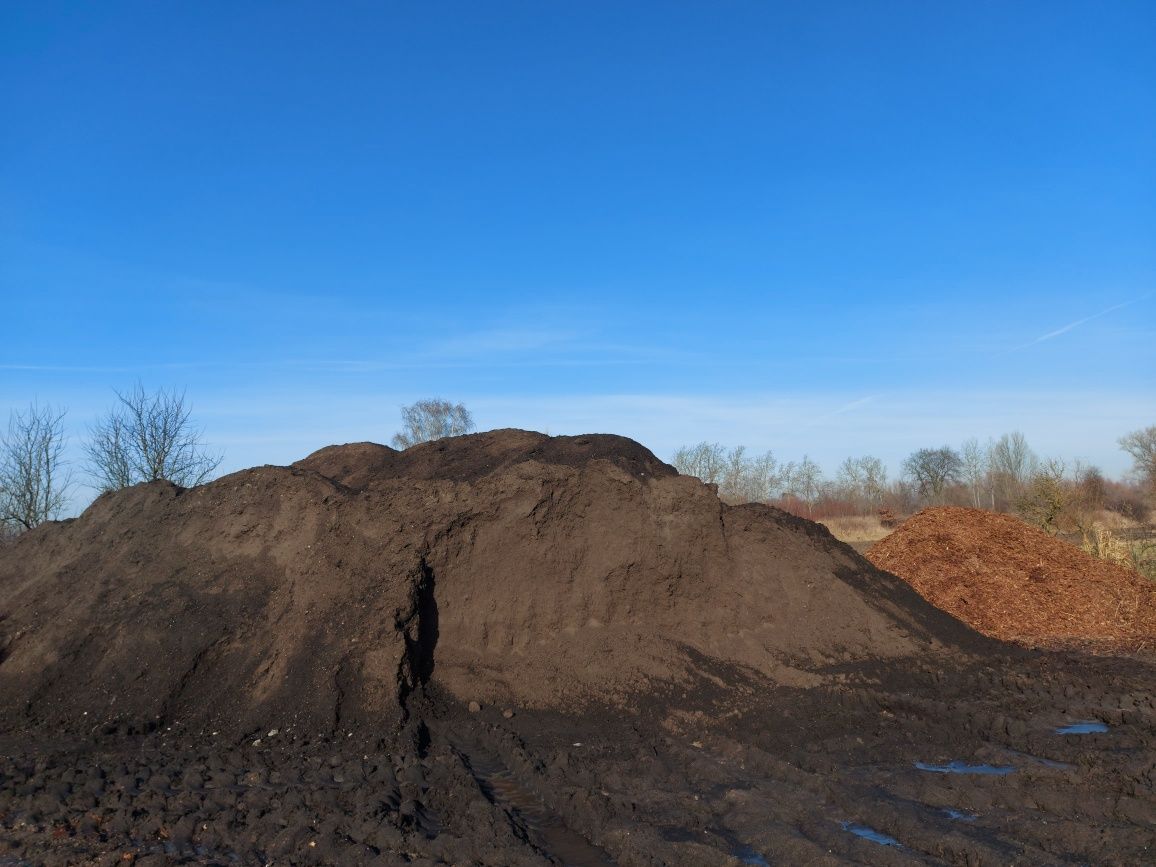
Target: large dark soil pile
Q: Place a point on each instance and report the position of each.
(1014, 582)
(508, 566)
(279, 667)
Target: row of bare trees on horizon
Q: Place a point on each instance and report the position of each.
(148, 436)
(1003, 474)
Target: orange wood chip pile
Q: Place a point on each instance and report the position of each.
(1014, 582)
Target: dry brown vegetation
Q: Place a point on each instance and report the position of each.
(857, 528)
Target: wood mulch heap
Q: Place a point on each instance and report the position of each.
(1016, 583)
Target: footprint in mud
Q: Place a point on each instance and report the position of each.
(549, 832)
(868, 833)
(958, 767)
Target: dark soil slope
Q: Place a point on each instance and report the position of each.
(1017, 583)
(545, 572)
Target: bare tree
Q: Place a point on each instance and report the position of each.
(1012, 464)
(734, 480)
(974, 468)
(432, 419)
(932, 470)
(863, 480)
(1141, 445)
(805, 482)
(33, 479)
(764, 477)
(146, 437)
(705, 461)
(743, 478)
(750, 479)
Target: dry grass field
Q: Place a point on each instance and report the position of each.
(858, 531)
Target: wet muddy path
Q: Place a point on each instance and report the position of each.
(1032, 760)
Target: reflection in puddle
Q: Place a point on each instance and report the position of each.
(958, 767)
(738, 849)
(960, 815)
(870, 834)
(749, 856)
(1087, 727)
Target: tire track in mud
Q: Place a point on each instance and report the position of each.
(542, 828)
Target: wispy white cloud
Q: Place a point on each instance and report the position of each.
(503, 340)
(1072, 326)
(63, 368)
(106, 368)
(845, 408)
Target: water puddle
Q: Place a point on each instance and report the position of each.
(959, 815)
(1086, 727)
(958, 767)
(871, 834)
(741, 850)
(749, 856)
(737, 848)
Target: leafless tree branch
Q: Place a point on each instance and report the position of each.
(146, 437)
(432, 419)
(33, 480)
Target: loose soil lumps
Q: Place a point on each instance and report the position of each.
(1016, 583)
(509, 649)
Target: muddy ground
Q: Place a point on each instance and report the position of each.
(826, 775)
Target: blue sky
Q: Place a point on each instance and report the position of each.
(833, 228)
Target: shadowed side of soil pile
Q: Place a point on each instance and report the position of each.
(1016, 583)
(546, 572)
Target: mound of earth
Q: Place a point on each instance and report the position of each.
(1014, 582)
(508, 566)
(181, 670)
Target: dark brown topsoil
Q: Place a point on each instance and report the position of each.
(513, 649)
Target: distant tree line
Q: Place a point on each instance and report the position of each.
(1003, 474)
(149, 436)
